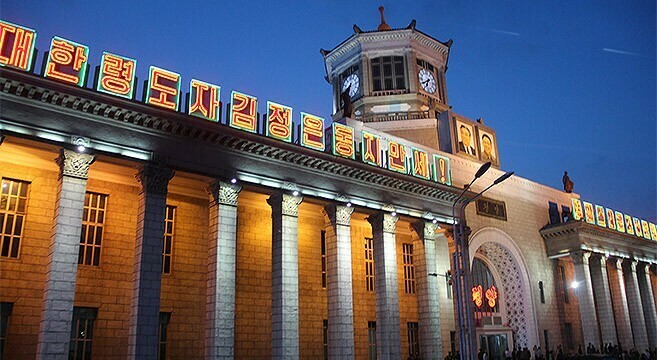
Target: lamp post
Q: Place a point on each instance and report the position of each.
(461, 261)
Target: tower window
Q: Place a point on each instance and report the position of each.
(388, 73)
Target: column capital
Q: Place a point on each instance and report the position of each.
(580, 257)
(338, 214)
(643, 267)
(383, 221)
(630, 264)
(74, 164)
(285, 204)
(600, 259)
(426, 230)
(154, 178)
(223, 193)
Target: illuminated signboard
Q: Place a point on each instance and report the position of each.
(243, 112)
(117, 75)
(620, 224)
(371, 148)
(312, 132)
(163, 89)
(420, 164)
(343, 141)
(279, 121)
(491, 296)
(611, 219)
(441, 171)
(646, 229)
(578, 213)
(600, 216)
(589, 216)
(67, 61)
(478, 295)
(397, 157)
(16, 46)
(653, 231)
(204, 100)
(629, 227)
(637, 227)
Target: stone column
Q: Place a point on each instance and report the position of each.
(621, 313)
(388, 333)
(602, 295)
(585, 298)
(428, 302)
(637, 319)
(220, 300)
(285, 275)
(62, 266)
(147, 273)
(648, 302)
(340, 297)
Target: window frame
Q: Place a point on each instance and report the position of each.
(96, 246)
(162, 328)
(413, 331)
(13, 240)
(324, 262)
(410, 285)
(171, 234)
(379, 63)
(89, 316)
(370, 269)
(371, 340)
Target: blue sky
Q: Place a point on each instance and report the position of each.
(566, 85)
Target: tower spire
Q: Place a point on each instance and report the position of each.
(383, 25)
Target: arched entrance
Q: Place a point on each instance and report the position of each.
(502, 256)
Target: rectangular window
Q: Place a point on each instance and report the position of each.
(562, 276)
(448, 284)
(369, 264)
(325, 332)
(553, 210)
(569, 335)
(413, 340)
(5, 312)
(13, 207)
(162, 335)
(323, 246)
(452, 341)
(93, 223)
(565, 213)
(82, 333)
(371, 340)
(167, 249)
(540, 288)
(388, 73)
(409, 268)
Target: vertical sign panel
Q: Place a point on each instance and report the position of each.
(420, 164)
(279, 121)
(637, 227)
(646, 229)
(578, 213)
(16, 46)
(611, 219)
(243, 112)
(67, 61)
(600, 216)
(441, 170)
(312, 132)
(343, 141)
(204, 100)
(589, 215)
(117, 75)
(397, 157)
(629, 227)
(163, 89)
(370, 151)
(620, 224)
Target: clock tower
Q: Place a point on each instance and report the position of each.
(394, 81)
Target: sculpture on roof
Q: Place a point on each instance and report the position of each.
(567, 183)
(383, 25)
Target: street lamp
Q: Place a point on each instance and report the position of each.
(461, 261)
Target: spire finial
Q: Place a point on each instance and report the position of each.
(383, 25)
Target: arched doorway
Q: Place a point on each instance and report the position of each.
(501, 255)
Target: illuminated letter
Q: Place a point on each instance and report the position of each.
(441, 170)
(600, 216)
(343, 141)
(477, 295)
(163, 88)
(204, 100)
(312, 132)
(620, 225)
(279, 121)
(578, 214)
(491, 295)
(653, 231)
(646, 229)
(397, 157)
(589, 216)
(16, 46)
(243, 112)
(420, 164)
(637, 227)
(611, 220)
(371, 148)
(117, 75)
(67, 61)
(629, 227)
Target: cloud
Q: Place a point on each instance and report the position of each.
(498, 31)
(622, 52)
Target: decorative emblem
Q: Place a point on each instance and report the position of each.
(477, 295)
(74, 164)
(338, 215)
(491, 296)
(224, 193)
(284, 204)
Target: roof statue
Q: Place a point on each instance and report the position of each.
(383, 26)
(568, 184)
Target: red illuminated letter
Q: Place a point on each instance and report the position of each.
(163, 89)
(397, 157)
(312, 132)
(279, 121)
(67, 61)
(243, 112)
(343, 141)
(16, 46)
(204, 100)
(117, 75)
(371, 148)
(420, 164)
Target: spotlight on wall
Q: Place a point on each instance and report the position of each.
(81, 143)
(394, 213)
(348, 204)
(574, 285)
(295, 193)
(434, 221)
(81, 148)
(233, 181)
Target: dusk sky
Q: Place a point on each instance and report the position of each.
(568, 86)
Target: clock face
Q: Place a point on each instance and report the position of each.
(352, 80)
(427, 81)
